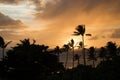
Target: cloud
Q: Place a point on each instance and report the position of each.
(96, 37)
(7, 23)
(11, 1)
(116, 34)
(65, 15)
(60, 17)
(11, 29)
(84, 11)
(6, 20)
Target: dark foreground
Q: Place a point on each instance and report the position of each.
(35, 62)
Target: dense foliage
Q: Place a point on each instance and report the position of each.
(30, 61)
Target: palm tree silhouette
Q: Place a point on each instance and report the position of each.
(66, 49)
(57, 51)
(80, 30)
(32, 61)
(92, 55)
(77, 57)
(118, 50)
(71, 44)
(102, 53)
(3, 45)
(111, 49)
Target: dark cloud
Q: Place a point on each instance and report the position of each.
(7, 22)
(11, 1)
(74, 8)
(11, 29)
(96, 37)
(116, 33)
(36, 2)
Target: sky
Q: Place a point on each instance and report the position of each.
(52, 22)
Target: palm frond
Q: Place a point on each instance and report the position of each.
(88, 34)
(7, 44)
(76, 33)
(80, 30)
(2, 42)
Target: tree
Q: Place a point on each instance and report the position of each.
(3, 45)
(80, 30)
(77, 57)
(1, 41)
(102, 53)
(29, 61)
(118, 51)
(57, 51)
(66, 49)
(111, 49)
(92, 55)
(80, 44)
(71, 44)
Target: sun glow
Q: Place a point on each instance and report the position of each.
(77, 40)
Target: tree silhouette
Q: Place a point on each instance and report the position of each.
(80, 44)
(57, 51)
(118, 50)
(102, 53)
(92, 55)
(71, 44)
(30, 61)
(66, 49)
(80, 30)
(111, 50)
(3, 45)
(77, 57)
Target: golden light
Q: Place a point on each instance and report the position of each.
(76, 40)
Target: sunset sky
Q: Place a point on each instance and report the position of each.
(52, 22)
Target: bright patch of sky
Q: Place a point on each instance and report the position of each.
(22, 11)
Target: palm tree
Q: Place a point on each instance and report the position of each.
(71, 44)
(77, 57)
(102, 53)
(92, 55)
(118, 51)
(66, 49)
(80, 44)
(57, 51)
(111, 49)
(80, 30)
(3, 45)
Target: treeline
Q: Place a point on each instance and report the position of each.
(31, 61)
(36, 62)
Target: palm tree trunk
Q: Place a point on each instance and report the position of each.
(93, 63)
(78, 61)
(59, 57)
(66, 60)
(3, 49)
(83, 50)
(73, 57)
